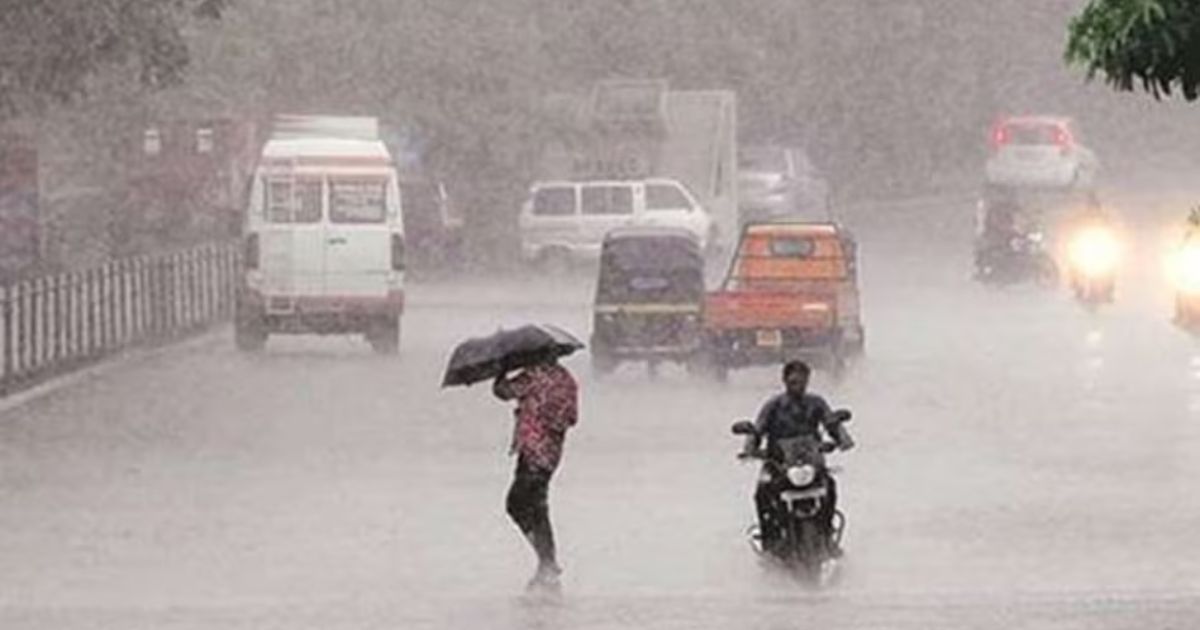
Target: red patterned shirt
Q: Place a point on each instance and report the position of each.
(547, 405)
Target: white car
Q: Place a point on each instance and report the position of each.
(567, 220)
(1040, 151)
(779, 183)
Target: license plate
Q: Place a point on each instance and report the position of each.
(769, 338)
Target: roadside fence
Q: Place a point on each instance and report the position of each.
(57, 323)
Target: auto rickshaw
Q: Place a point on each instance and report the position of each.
(649, 298)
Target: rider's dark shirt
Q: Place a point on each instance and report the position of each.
(783, 416)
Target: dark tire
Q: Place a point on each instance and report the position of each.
(249, 334)
(858, 347)
(707, 363)
(810, 553)
(384, 335)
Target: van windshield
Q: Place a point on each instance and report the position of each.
(358, 200)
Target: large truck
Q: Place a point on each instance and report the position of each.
(643, 129)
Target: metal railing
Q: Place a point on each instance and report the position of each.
(56, 323)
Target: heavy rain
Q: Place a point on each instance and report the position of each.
(311, 313)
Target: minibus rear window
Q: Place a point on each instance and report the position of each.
(358, 200)
(293, 200)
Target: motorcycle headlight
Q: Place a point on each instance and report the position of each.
(1186, 268)
(801, 475)
(1094, 251)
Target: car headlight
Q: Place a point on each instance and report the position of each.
(1094, 251)
(801, 475)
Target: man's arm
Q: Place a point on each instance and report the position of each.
(834, 425)
(760, 427)
(506, 388)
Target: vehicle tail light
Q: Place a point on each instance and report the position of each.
(397, 252)
(1061, 138)
(999, 136)
(250, 253)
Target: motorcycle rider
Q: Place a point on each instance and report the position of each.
(793, 413)
(999, 224)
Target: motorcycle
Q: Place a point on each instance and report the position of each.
(801, 483)
(1185, 268)
(1093, 254)
(1021, 258)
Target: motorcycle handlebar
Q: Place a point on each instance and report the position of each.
(826, 447)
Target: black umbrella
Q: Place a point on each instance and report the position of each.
(482, 358)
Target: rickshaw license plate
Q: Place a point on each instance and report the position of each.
(769, 338)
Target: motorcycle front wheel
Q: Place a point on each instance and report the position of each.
(809, 553)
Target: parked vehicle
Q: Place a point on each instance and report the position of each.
(566, 221)
(1040, 151)
(791, 292)
(649, 296)
(779, 183)
(324, 241)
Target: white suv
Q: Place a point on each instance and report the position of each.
(565, 220)
(1040, 151)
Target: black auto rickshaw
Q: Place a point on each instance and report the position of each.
(649, 296)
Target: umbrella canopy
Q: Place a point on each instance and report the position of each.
(482, 358)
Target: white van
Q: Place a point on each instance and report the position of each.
(324, 236)
(567, 220)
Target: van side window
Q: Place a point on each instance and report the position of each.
(607, 200)
(293, 201)
(357, 200)
(554, 202)
(666, 197)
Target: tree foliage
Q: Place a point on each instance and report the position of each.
(1154, 44)
(50, 48)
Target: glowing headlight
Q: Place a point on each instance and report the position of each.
(1094, 251)
(801, 475)
(1186, 268)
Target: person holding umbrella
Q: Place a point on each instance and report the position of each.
(547, 405)
(547, 398)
